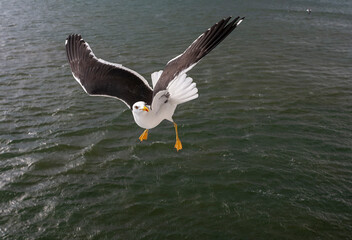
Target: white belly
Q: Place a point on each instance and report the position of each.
(149, 120)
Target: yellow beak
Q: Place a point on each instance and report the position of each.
(145, 109)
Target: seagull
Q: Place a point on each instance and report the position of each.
(171, 86)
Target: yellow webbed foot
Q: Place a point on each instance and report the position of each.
(178, 144)
(144, 135)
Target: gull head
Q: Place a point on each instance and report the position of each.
(139, 107)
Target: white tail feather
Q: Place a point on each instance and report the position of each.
(155, 77)
(182, 84)
(189, 94)
(177, 82)
(186, 92)
(182, 89)
(190, 98)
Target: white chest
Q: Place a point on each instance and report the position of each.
(151, 119)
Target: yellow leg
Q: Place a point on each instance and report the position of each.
(178, 144)
(144, 135)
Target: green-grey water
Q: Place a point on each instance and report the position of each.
(267, 145)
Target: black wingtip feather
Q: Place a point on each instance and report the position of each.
(99, 77)
(225, 31)
(196, 51)
(216, 34)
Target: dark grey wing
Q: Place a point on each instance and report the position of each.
(98, 77)
(196, 51)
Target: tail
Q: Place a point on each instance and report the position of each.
(182, 89)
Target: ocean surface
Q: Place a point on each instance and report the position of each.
(267, 145)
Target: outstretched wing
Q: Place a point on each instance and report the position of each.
(196, 51)
(102, 78)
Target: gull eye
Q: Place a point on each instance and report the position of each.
(136, 107)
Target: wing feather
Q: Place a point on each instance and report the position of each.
(196, 51)
(102, 78)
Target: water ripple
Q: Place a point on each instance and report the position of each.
(267, 145)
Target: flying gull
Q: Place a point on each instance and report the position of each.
(171, 86)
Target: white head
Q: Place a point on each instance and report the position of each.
(140, 107)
